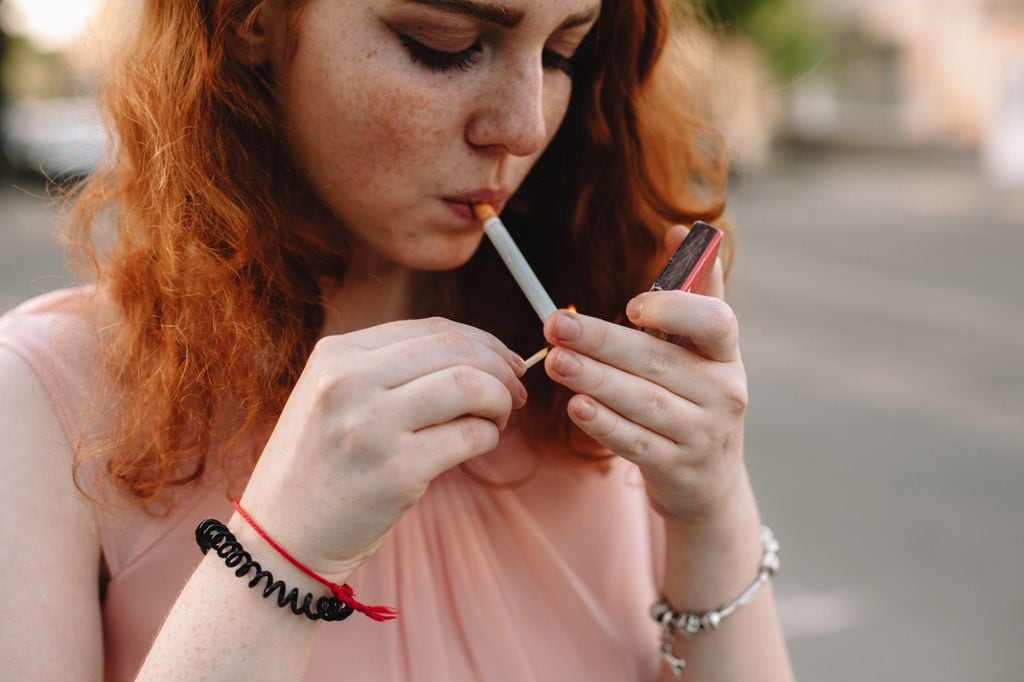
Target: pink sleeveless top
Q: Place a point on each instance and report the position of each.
(548, 581)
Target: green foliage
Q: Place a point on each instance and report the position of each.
(27, 72)
(790, 39)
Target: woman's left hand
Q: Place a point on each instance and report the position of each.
(676, 412)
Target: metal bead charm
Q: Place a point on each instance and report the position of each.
(689, 624)
(659, 609)
(692, 624)
(675, 664)
(711, 620)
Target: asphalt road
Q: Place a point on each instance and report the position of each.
(881, 300)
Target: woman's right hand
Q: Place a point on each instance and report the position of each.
(375, 416)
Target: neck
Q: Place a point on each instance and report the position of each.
(368, 297)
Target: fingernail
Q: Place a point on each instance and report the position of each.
(567, 328)
(585, 410)
(635, 307)
(566, 363)
(523, 395)
(519, 365)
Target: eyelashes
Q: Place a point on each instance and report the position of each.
(440, 61)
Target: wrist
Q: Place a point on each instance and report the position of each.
(707, 562)
(296, 535)
(270, 560)
(730, 523)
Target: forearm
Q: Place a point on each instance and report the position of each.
(220, 628)
(708, 567)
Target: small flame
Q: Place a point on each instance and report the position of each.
(571, 308)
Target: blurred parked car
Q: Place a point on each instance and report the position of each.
(60, 138)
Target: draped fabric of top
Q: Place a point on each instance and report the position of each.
(549, 581)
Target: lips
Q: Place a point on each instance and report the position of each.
(496, 198)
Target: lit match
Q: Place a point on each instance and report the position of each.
(515, 262)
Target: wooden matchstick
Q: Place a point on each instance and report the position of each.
(537, 357)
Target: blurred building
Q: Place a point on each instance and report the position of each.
(914, 72)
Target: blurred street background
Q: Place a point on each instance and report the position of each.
(879, 199)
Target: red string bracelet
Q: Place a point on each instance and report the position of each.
(342, 593)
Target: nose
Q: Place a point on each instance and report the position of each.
(511, 114)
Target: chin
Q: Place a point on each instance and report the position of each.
(443, 255)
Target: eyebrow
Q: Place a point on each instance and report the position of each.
(502, 16)
(506, 17)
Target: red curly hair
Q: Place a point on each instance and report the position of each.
(220, 292)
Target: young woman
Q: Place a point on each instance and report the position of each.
(295, 310)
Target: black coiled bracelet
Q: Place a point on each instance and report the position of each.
(212, 534)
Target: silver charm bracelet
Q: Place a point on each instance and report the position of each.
(692, 624)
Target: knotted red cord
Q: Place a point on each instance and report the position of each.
(342, 593)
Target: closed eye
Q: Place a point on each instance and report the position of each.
(442, 61)
(553, 60)
(439, 60)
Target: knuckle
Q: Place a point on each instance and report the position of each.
(437, 325)
(456, 343)
(653, 405)
(600, 336)
(348, 435)
(641, 446)
(660, 360)
(597, 378)
(323, 350)
(467, 379)
(330, 384)
(604, 427)
(504, 397)
(347, 427)
(478, 435)
(736, 396)
(721, 320)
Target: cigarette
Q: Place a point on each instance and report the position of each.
(537, 357)
(514, 261)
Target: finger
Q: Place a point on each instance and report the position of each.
(636, 399)
(716, 283)
(383, 335)
(674, 238)
(707, 322)
(448, 394)
(406, 360)
(677, 369)
(621, 436)
(454, 442)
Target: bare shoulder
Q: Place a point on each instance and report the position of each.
(50, 615)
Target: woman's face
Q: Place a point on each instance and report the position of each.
(403, 111)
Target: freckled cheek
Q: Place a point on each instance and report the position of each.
(381, 129)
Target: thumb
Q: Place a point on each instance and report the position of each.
(674, 237)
